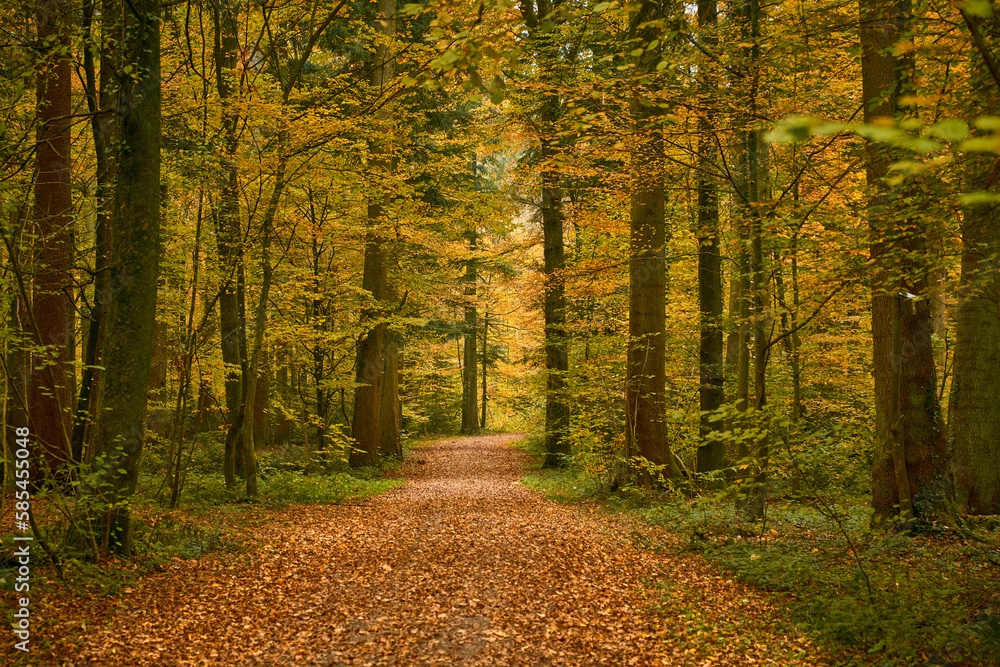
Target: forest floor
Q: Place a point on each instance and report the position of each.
(460, 566)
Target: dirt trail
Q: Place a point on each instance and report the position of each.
(460, 566)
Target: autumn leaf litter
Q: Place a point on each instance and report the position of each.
(461, 565)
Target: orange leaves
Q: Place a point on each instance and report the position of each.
(460, 566)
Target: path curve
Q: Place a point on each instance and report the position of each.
(459, 566)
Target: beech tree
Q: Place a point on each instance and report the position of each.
(366, 420)
(974, 411)
(51, 389)
(135, 248)
(540, 17)
(470, 386)
(711, 452)
(228, 233)
(644, 387)
(910, 447)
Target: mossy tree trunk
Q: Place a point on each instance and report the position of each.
(229, 236)
(975, 391)
(118, 430)
(711, 452)
(910, 454)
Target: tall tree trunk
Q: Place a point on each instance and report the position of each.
(757, 191)
(910, 428)
(645, 428)
(557, 445)
(315, 318)
(486, 324)
(51, 388)
(366, 421)
(390, 438)
(229, 237)
(470, 386)
(754, 192)
(118, 431)
(711, 451)
(253, 387)
(974, 412)
(99, 102)
(975, 408)
(538, 16)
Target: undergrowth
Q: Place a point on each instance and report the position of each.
(870, 597)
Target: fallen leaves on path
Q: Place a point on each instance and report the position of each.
(460, 566)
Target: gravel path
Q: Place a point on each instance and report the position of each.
(460, 566)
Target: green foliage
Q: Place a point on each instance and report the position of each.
(597, 421)
(562, 486)
(293, 488)
(882, 599)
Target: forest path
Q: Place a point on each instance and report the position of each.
(460, 566)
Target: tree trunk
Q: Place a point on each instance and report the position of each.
(470, 385)
(253, 387)
(917, 432)
(975, 408)
(711, 452)
(557, 445)
(118, 431)
(645, 429)
(537, 16)
(761, 301)
(229, 238)
(99, 102)
(366, 421)
(315, 318)
(486, 323)
(974, 412)
(51, 390)
(391, 411)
